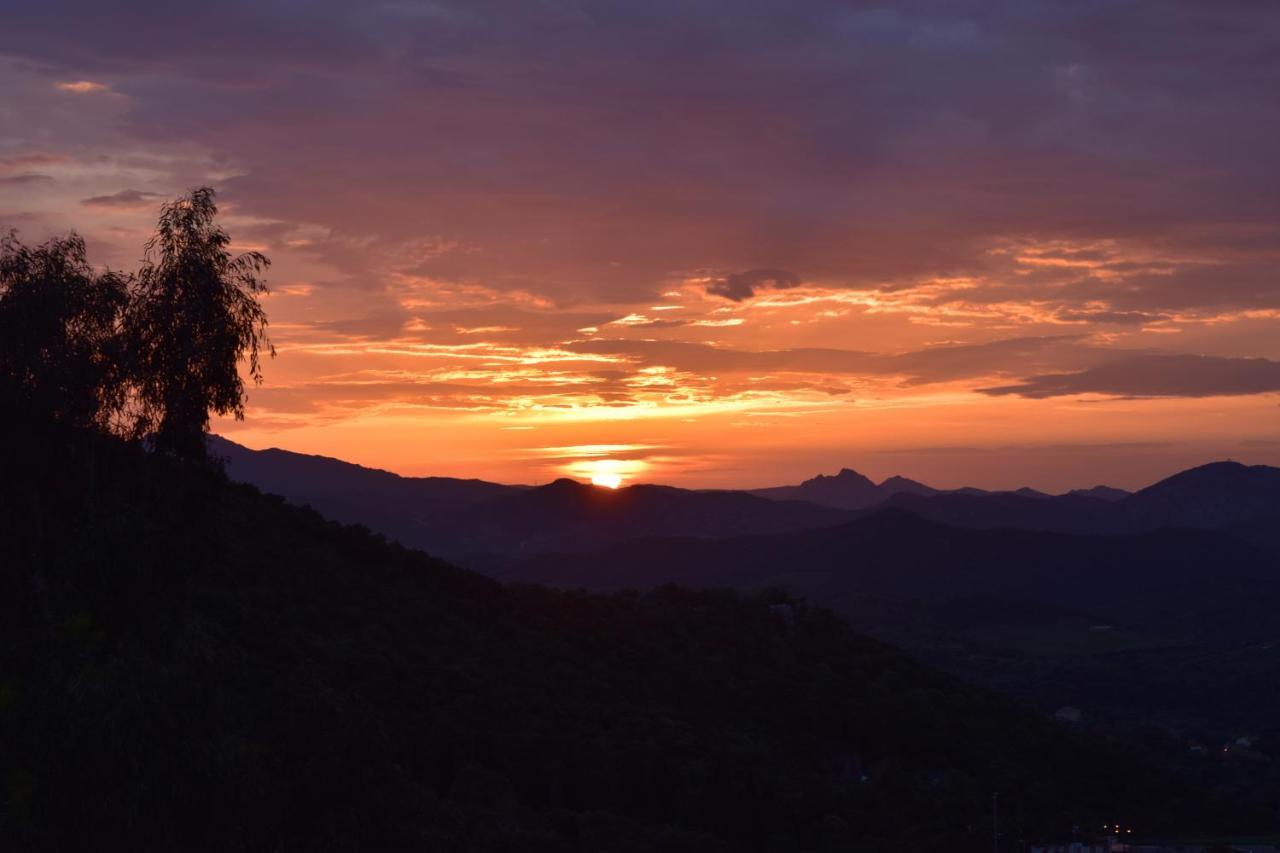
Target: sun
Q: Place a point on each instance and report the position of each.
(608, 473)
(608, 479)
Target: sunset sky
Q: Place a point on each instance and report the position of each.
(712, 244)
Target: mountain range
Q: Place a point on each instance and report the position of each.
(473, 520)
(850, 490)
(479, 522)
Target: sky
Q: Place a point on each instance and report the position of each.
(717, 244)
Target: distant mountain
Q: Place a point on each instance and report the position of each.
(397, 507)
(474, 519)
(1219, 495)
(294, 475)
(466, 519)
(1104, 493)
(845, 490)
(568, 516)
(1061, 514)
(901, 485)
(1028, 492)
(1215, 495)
(851, 490)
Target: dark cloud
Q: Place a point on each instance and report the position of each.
(1120, 318)
(122, 199)
(25, 179)
(744, 285)
(1012, 357)
(594, 149)
(1155, 375)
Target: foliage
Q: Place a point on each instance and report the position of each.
(147, 356)
(60, 360)
(194, 314)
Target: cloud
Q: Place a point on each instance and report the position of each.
(125, 199)
(25, 179)
(1122, 318)
(944, 363)
(744, 285)
(1155, 375)
(31, 158)
(82, 87)
(932, 167)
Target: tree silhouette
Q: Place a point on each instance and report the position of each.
(194, 316)
(59, 336)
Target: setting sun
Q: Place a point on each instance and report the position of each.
(609, 473)
(608, 480)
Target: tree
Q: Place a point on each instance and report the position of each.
(60, 364)
(195, 315)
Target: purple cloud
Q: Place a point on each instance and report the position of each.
(1154, 375)
(123, 199)
(744, 285)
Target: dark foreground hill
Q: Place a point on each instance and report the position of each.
(187, 664)
(1168, 638)
(1191, 585)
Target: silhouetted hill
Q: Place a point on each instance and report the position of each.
(474, 520)
(902, 485)
(847, 490)
(388, 503)
(1182, 581)
(298, 475)
(1063, 514)
(1105, 493)
(851, 490)
(1215, 495)
(186, 664)
(462, 519)
(1028, 492)
(571, 516)
(1165, 638)
(1220, 495)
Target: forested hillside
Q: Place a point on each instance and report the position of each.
(186, 663)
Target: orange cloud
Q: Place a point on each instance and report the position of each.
(82, 87)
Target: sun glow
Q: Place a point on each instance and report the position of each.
(609, 481)
(609, 473)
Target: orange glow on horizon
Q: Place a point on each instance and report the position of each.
(609, 481)
(607, 472)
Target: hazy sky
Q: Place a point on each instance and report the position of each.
(709, 243)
